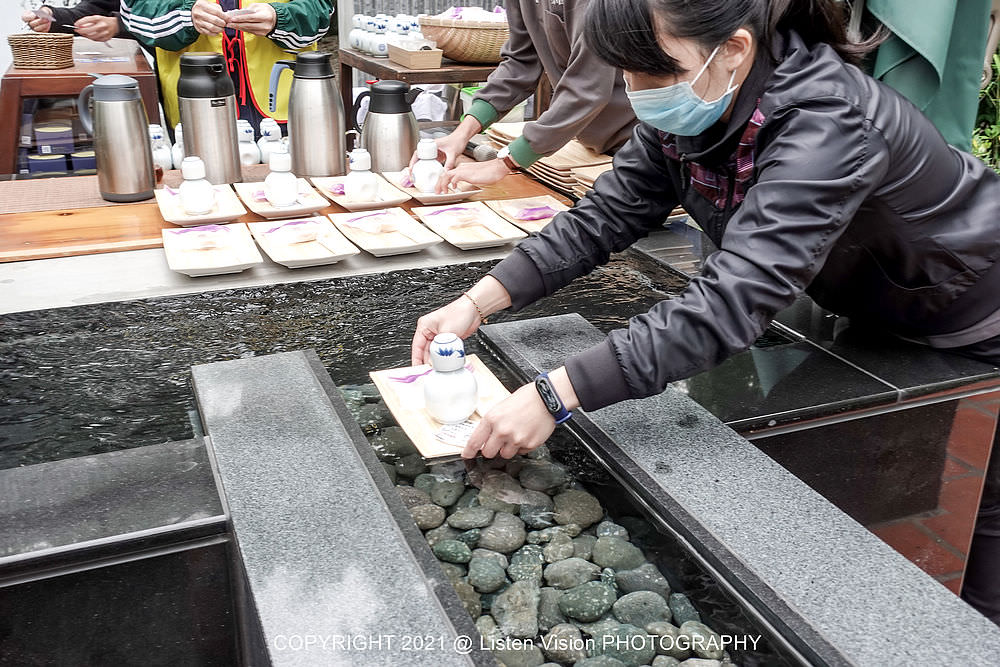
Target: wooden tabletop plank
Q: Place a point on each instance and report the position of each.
(383, 68)
(65, 233)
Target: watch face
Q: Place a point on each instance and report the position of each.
(549, 397)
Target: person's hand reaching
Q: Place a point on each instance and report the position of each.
(37, 23)
(97, 28)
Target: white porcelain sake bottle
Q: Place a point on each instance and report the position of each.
(427, 171)
(281, 187)
(249, 152)
(197, 194)
(360, 183)
(269, 140)
(177, 150)
(451, 394)
(162, 157)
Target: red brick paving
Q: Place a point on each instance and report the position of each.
(920, 547)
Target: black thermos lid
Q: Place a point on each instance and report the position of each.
(204, 75)
(389, 97)
(313, 65)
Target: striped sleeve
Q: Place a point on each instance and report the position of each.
(301, 22)
(163, 23)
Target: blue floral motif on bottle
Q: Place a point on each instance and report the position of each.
(448, 351)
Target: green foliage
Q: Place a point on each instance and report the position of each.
(986, 134)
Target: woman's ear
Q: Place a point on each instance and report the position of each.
(738, 50)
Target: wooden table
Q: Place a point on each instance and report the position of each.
(88, 231)
(18, 84)
(383, 68)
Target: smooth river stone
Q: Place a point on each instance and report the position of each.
(631, 645)
(571, 572)
(442, 532)
(425, 482)
(666, 635)
(609, 529)
(643, 578)
(486, 575)
(549, 615)
(587, 602)
(505, 534)
(543, 476)
(500, 492)
(452, 551)
(705, 642)
(412, 497)
(583, 546)
(579, 507)
(497, 557)
(469, 597)
(447, 492)
(535, 517)
(452, 571)
(617, 554)
(560, 548)
(391, 444)
(525, 567)
(471, 517)
(548, 534)
(600, 661)
(469, 498)
(427, 516)
(470, 537)
(411, 465)
(516, 610)
(564, 643)
(512, 655)
(682, 609)
(665, 661)
(641, 608)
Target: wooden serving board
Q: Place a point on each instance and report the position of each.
(491, 230)
(409, 235)
(508, 208)
(405, 401)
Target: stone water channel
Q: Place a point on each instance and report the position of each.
(543, 567)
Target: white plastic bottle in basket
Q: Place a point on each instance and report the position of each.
(451, 393)
(427, 170)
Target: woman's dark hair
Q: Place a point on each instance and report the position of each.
(623, 32)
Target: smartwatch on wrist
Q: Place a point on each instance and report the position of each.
(504, 154)
(551, 399)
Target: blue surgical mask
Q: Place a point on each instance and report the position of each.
(677, 109)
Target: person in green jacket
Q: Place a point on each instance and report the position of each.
(252, 34)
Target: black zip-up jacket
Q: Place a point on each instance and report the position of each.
(824, 181)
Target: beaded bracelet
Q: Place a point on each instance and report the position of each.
(482, 318)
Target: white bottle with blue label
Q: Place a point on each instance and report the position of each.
(451, 394)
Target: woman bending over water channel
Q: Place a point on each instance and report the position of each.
(808, 175)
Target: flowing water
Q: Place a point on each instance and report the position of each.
(98, 378)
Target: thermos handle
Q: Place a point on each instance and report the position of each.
(83, 105)
(412, 95)
(357, 109)
(272, 88)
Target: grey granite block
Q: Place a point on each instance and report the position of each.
(846, 596)
(331, 577)
(110, 499)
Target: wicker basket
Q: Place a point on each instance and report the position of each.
(466, 41)
(41, 50)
